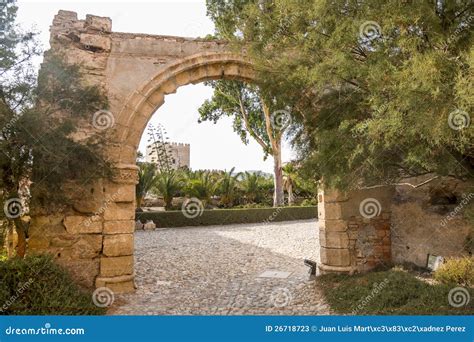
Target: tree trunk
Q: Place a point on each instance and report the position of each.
(21, 233)
(139, 200)
(291, 197)
(168, 203)
(278, 194)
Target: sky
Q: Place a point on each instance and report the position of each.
(213, 146)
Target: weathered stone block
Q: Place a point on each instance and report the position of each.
(82, 225)
(86, 246)
(120, 211)
(94, 22)
(64, 240)
(82, 271)
(38, 244)
(335, 257)
(330, 211)
(116, 266)
(149, 225)
(119, 192)
(119, 227)
(329, 196)
(96, 41)
(333, 239)
(118, 284)
(118, 245)
(333, 225)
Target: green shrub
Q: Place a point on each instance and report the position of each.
(164, 219)
(457, 270)
(36, 285)
(392, 292)
(309, 202)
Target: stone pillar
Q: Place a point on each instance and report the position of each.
(93, 238)
(116, 259)
(354, 229)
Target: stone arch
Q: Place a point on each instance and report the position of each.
(200, 67)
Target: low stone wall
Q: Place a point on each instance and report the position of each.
(431, 219)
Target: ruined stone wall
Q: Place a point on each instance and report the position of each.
(431, 219)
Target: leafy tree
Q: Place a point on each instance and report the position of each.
(37, 118)
(380, 90)
(254, 114)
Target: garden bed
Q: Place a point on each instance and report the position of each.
(165, 219)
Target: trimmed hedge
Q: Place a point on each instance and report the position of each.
(166, 219)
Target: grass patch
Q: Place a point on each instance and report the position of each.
(36, 285)
(393, 292)
(165, 219)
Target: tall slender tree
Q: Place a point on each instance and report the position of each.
(255, 115)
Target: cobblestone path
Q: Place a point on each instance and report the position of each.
(225, 270)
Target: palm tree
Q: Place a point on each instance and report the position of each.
(201, 184)
(251, 185)
(168, 184)
(226, 187)
(146, 178)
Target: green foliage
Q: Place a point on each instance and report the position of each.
(457, 271)
(168, 184)
(201, 184)
(36, 285)
(399, 293)
(242, 102)
(37, 122)
(227, 187)
(146, 180)
(165, 219)
(57, 158)
(253, 186)
(368, 108)
(309, 202)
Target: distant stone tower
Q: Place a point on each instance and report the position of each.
(179, 155)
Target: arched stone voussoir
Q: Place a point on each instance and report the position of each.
(141, 105)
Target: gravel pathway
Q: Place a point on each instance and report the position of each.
(225, 270)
